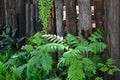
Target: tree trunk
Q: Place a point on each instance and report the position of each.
(112, 31)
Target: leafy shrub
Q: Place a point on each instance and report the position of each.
(81, 58)
(8, 39)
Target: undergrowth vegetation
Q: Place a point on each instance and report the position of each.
(82, 59)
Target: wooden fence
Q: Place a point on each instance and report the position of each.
(74, 16)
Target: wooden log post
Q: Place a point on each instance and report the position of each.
(84, 16)
(112, 31)
(2, 12)
(21, 17)
(59, 19)
(71, 16)
(6, 11)
(98, 4)
(27, 9)
(52, 25)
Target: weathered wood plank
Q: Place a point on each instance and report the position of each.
(27, 18)
(32, 16)
(112, 31)
(98, 13)
(71, 16)
(53, 25)
(6, 11)
(59, 17)
(84, 16)
(2, 14)
(21, 17)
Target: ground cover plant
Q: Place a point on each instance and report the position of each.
(82, 59)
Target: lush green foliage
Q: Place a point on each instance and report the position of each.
(8, 39)
(81, 59)
(81, 64)
(44, 7)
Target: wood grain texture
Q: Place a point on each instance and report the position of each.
(112, 31)
(84, 15)
(71, 16)
(59, 17)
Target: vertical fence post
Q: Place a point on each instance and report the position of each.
(2, 12)
(84, 15)
(59, 19)
(112, 32)
(6, 11)
(71, 16)
(98, 13)
(21, 17)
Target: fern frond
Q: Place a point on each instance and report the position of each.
(75, 40)
(97, 47)
(53, 38)
(75, 71)
(82, 49)
(27, 48)
(43, 59)
(109, 66)
(97, 35)
(52, 47)
(19, 70)
(36, 39)
(46, 62)
(89, 65)
(69, 56)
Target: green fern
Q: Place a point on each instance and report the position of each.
(36, 39)
(18, 71)
(74, 41)
(97, 47)
(53, 38)
(109, 66)
(28, 48)
(97, 35)
(74, 48)
(89, 65)
(75, 71)
(74, 56)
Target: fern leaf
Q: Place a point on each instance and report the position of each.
(82, 49)
(74, 41)
(28, 48)
(46, 61)
(97, 35)
(109, 66)
(19, 70)
(75, 71)
(97, 47)
(36, 39)
(52, 47)
(43, 59)
(89, 66)
(53, 38)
